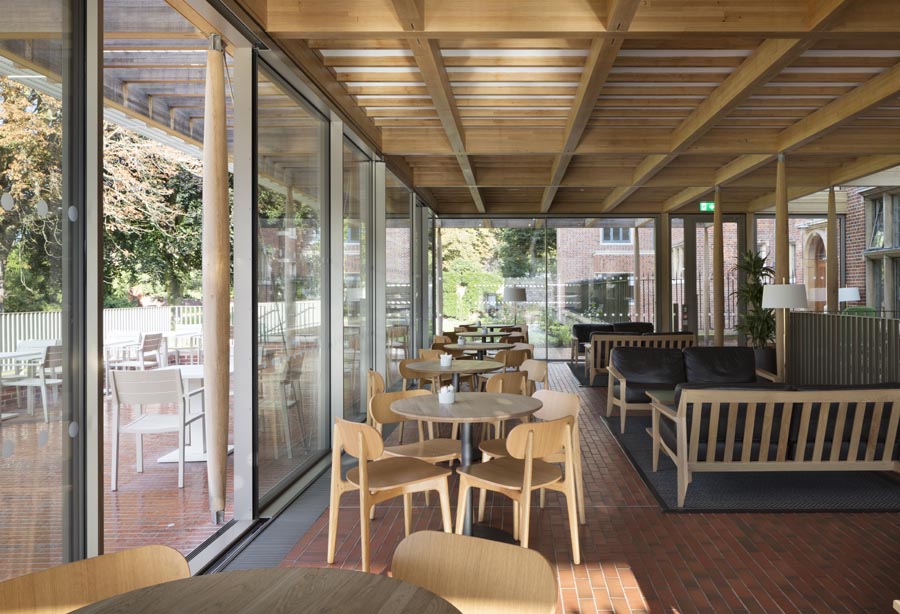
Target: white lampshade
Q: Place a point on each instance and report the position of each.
(784, 296)
(514, 294)
(848, 295)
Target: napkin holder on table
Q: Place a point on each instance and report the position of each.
(446, 395)
(446, 360)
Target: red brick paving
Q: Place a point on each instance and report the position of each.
(638, 559)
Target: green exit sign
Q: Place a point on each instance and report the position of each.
(707, 206)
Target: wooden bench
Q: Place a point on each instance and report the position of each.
(596, 356)
(769, 430)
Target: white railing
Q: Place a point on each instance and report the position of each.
(20, 326)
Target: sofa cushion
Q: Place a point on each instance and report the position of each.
(582, 332)
(638, 328)
(667, 433)
(720, 365)
(647, 367)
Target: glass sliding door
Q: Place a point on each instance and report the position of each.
(41, 286)
(293, 416)
(357, 208)
(398, 279)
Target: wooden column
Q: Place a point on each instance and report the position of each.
(664, 281)
(782, 262)
(289, 262)
(637, 274)
(216, 273)
(831, 256)
(718, 273)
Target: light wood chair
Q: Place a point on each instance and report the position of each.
(398, 341)
(142, 388)
(556, 405)
(537, 373)
(374, 385)
(64, 588)
(510, 359)
(477, 576)
(518, 475)
(377, 481)
(511, 382)
(428, 354)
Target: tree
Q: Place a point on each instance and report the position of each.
(521, 251)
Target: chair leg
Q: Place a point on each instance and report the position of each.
(181, 457)
(401, 431)
(622, 416)
(444, 494)
(543, 497)
(139, 452)
(579, 488)
(454, 431)
(44, 402)
(572, 509)
(364, 530)
(114, 478)
(655, 429)
(526, 519)
(461, 505)
(516, 520)
(333, 509)
(407, 513)
(482, 497)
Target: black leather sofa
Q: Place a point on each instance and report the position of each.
(633, 371)
(581, 333)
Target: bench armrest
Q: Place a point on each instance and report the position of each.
(664, 410)
(772, 377)
(615, 374)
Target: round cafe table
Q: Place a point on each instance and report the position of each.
(484, 335)
(310, 590)
(470, 407)
(433, 368)
(479, 347)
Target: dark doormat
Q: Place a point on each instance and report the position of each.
(577, 370)
(811, 491)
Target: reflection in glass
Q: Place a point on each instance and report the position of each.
(356, 213)
(398, 260)
(293, 419)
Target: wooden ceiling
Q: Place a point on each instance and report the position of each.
(588, 107)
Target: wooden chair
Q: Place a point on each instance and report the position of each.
(556, 405)
(477, 576)
(398, 341)
(522, 472)
(529, 347)
(142, 388)
(374, 385)
(428, 354)
(377, 481)
(280, 399)
(511, 359)
(441, 339)
(64, 588)
(536, 371)
(510, 382)
(42, 374)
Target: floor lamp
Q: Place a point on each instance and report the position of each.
(514, 295)
(848, 295)
(786, 297)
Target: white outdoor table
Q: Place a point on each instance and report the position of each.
(21, 356)
(470, 407)
(193, 452)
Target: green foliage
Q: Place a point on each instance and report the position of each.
(756, 323)
(521, 251)
(476, 282)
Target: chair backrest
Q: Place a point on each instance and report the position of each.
(348, 436)
(477, 575)
(374, 385)
(546, 438)
(536, 371)
(147, 387)
(430, 354)
(515, 338)
(405, 372)
(71, 586)
(556, 405)
(524, 346)
(512, 358)
(151, 342)
(398, 331)
(440, 339)
(53, 357)
(512, 382)
(381, 405)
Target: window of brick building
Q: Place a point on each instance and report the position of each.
(876, 235)
(617, 235)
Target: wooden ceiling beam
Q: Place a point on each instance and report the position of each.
(434, 74)
(600, 61)
(411, 14)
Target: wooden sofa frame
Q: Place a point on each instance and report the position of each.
(596, 356)
(760, 405)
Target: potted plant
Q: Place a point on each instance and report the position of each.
(756, 323)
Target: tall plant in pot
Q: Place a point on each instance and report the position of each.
(756, 323)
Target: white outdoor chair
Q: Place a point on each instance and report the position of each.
(42, 374)
(143, 388)
(147, 355)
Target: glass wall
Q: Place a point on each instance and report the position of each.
(357, 208)
(40, 333)
(293, 416)
(398, 278)
(807, 239)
